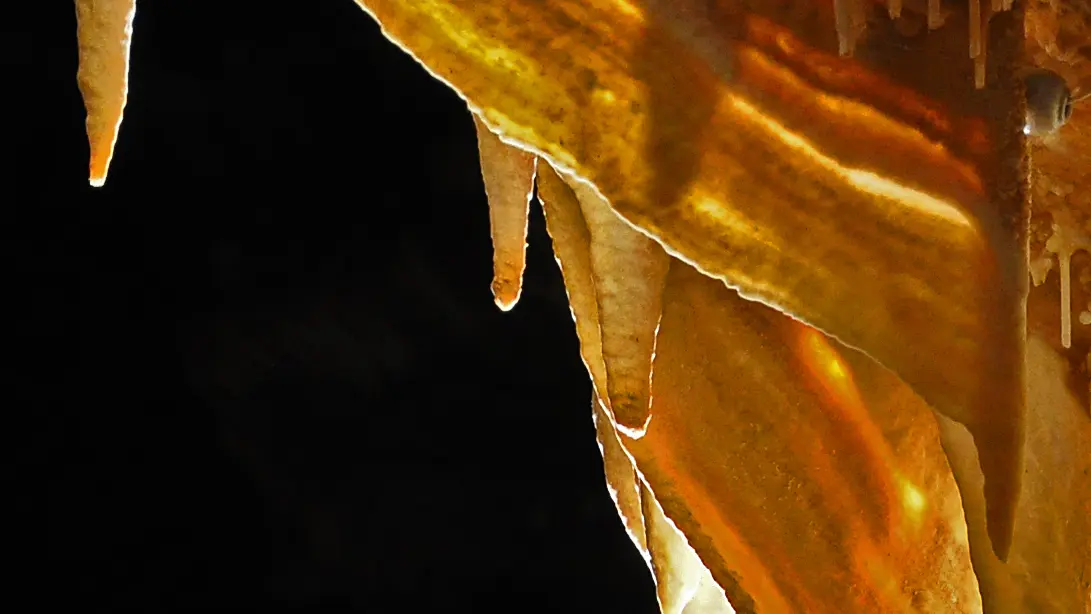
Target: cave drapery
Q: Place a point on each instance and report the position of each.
(814, 266)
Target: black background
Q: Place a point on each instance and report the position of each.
(262, 367)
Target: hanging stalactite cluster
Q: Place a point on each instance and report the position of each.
(799, 281)
(852, 21)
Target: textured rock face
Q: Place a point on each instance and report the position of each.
(1059, 38)
(1059, 304)
(1061, 29)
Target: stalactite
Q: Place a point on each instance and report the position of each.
(981, 35)
(1066, 241)
(935, 17)
(894, 8)
(850, 20)
(975, 28)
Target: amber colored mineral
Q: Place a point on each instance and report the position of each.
(104, 31)
(827, 374)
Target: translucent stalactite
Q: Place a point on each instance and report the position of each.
(508, 174)
(1066, 241)
(975, 28)
(104, 30)
(629, 271)
(980, 34)
(894, 8)
(850, 18)
(797, 193)
(980, 14)
(846, 41)
(935, 16)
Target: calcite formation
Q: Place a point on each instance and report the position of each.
(833, 300)
(1059, 37)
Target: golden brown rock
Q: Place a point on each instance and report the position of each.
(752, 169)
(683, 583)
(882, 199)
(813, 463)
(628, 270)
(1049, 570)
(1061, 30)
(508, 173)
(572, 248)
(104, 31)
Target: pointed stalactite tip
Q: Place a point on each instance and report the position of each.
(104, 30)
(506, 293)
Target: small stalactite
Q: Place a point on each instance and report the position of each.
(850, 17)
(975, 28)
(1066, 241)
(935, 15)
(104, 30)
(979, 36)
(894, 8)
(508, 174)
